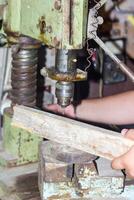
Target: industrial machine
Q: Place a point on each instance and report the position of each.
(63, 25)
(58, 24)
(66, 26)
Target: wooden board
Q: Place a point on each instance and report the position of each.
(82, 136)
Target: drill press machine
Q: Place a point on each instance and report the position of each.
(60, 24)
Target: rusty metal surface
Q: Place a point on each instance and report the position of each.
(57, 162)
(24, 71)
(55, 22)
(65, 154)
(51, 169)
(67, 77)
(57, 180)
(85, 170)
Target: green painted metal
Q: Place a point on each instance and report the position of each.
(19, 143)
(57, 23)
(99, 187)
(3, 162)
(3, 2)
(84, 182)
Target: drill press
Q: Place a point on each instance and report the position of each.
(60, 24)
(65, 73)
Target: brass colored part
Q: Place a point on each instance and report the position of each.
(79, 76)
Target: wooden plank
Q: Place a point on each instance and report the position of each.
(82, 136)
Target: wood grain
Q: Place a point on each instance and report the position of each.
(82, 136)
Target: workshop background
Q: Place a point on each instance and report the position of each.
(25, 173)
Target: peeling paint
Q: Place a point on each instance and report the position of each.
(46, 21)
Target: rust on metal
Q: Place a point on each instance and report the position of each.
(56, 42)
(26, 42)
(51, 168)
(12, 37)
(86, 169)
(57, 4)
(67, 77)
(24, 71)
(49, 29)
(43, 39)
(42, 25)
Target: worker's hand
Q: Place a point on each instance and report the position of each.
(68, 111)
(126, 161)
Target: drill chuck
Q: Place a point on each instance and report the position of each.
(64, 93)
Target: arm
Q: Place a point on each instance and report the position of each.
(126, 161)
(116, 109)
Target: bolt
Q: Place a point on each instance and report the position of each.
(57, 5)
(49, 29)
(42, 26)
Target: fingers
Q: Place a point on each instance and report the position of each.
(67, 111)
(125, 162)
(130, 134)
(124, 131)
(118, 163)
(52, 107)
(55, 108)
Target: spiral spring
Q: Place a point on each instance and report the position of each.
(90, 52)
(23, 74)
(94, 24)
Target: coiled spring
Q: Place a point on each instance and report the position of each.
(94, 24)
(90, 52)
(24, 75)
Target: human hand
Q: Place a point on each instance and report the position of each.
(126, 161)
(68, 111)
